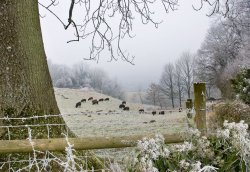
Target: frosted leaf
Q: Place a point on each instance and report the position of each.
(9, 48)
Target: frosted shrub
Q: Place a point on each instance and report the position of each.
(241, 85)
(227, 150)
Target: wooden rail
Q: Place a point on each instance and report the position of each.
(59, 144)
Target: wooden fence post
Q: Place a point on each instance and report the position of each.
(189, 106)
(200, 107)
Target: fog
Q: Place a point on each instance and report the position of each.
(182, 30)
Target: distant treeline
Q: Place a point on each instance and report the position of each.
(81, 75)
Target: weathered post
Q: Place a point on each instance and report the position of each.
(189, 106)
(200, 106)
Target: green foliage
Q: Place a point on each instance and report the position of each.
(241, 85)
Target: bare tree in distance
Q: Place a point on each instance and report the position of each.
(186, 66)
(154, 95)
(179, 83)
(167, 82)
(113, 88)
(140, 95)
(98, 79)
(81, 73)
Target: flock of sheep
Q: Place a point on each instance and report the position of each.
(122, 106)
(94, 101)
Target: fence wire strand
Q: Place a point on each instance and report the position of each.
(69, 163)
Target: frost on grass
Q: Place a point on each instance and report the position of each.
(229, 149)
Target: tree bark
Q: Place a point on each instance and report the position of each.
(25, 84)
(24, 74)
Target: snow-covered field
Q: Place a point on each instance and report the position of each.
(106, 119)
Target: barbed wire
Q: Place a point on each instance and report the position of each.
(70, 162)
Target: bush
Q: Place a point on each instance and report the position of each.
(241, 85)
(228, 150)
(231, 111)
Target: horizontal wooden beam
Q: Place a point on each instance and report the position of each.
(59, 144)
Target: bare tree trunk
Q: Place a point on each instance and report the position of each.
(180, 98)
(25, 83)
(172, 95)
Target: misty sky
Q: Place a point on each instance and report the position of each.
(182, 30)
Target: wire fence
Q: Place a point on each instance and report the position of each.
(69, 160)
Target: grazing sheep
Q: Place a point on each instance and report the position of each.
(100, 100)
(78, 104)
(126, 108)
(83, 100)
(91, 98)
(154, 113)
(94, 102)
(161, 112)
(141, 110)
(123, 102)
(106, 99)
(211, 99)
(180, 109)
(121, 106)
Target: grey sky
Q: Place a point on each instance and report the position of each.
(182, 30)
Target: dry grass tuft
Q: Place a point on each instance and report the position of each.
(231, 111)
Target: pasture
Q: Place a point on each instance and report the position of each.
(106, 119)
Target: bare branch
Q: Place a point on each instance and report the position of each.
(97, 23)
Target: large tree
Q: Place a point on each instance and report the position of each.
(24, 77)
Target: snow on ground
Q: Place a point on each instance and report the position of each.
(106, 119)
